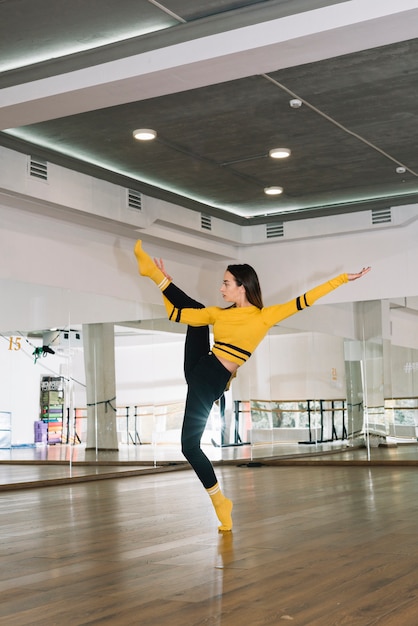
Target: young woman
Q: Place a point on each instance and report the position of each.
(237, 330)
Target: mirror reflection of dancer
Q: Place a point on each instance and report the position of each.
(237, 331)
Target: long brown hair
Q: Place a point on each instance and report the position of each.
(246, 275)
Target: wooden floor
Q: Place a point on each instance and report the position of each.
(311, 545)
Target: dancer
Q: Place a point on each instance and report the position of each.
(237, 330)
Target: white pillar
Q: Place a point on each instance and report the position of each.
(99, 363)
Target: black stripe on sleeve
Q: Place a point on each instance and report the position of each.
(220, 344)
(175, 315)
(243, 359)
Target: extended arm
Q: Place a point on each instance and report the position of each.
(279, 312)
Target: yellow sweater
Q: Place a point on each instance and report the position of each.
(237, 331)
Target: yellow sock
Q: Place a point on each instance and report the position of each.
(147, 267)
(223, 508)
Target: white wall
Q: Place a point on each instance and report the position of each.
(403, 374)
(294, 367)
(294, 265)
(75, 234)
(404, 328)
(53, 271)
(147, 374)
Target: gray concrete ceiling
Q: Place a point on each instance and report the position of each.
(215, 80)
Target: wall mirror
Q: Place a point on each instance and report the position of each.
(99, 397)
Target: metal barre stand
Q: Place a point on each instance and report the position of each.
(237, 439)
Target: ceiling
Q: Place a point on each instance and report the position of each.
(215, 80)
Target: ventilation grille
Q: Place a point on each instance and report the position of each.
(381, 216)
(38, 168)
(134, 200)
(206, 222)
(274, 230)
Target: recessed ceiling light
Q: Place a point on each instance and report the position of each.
(401, 169)
(144, 134)
(279, 153)
(295, 103)
(273, 191)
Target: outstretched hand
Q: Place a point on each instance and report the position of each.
(359, 274)
(160, 264)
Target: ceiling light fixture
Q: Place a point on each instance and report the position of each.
(279, 153)
(144, 134)
(295, 103)
(273, 191)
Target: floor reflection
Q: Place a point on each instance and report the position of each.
(36, 465)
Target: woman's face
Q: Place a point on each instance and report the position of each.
(230, 290)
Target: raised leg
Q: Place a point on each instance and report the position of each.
(197, 337)
(206, 379)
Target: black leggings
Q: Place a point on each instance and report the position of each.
(206, 379)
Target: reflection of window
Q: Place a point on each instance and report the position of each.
(291, 413)
(402, 411)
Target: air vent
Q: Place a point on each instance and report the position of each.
(381, 216)
(38, 168)
(274, 230)
(206, 222)
(134, 200)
